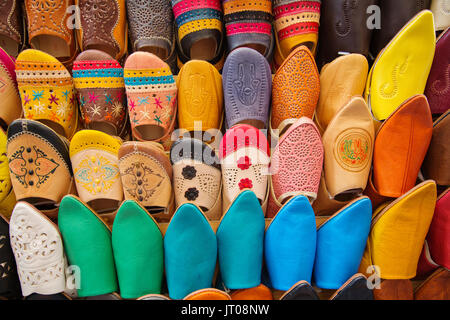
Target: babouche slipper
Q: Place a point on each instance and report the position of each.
(302, 290)
(9, 94)
(208, 294)
(9, 279)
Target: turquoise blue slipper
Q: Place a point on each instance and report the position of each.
(190, 251)
(240, 240)
(138, 251)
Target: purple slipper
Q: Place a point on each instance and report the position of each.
(247, 84)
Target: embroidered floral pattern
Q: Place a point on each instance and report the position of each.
(31, 166)
(142, 181)
(191, 194)
(96, 173)
(244, 163)
(189, 172)
(245, 184)
(353, 150)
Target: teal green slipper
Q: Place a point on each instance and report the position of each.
(87, 243)
(240, 241)
(138, 251)
(190, 251)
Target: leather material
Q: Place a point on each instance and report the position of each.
(437, 89)
(87, 243)
(146, 176)
(426, 265)
(402, 68)
(11, 26)
(375, 197)
(396, 163)
(354, 289)
(398, 232)
(438, 237)
(302, 290)
(343, 29)
(190, 252)
(103, 26)
(340, 80)
(240, 242)
(247, 86)
(260, 292)
(138, 248)
(197, 177)
(98, 80)
(9, 279)
(201, 96)
(208, 294)
(348, 148)
(153, 297)
(47, 91)
(38, 250)
(435, 287)
(295, 89)
(340, 244)
(94, 156)
(394, 15)
(394, 290)
(39, 163)
(441, 13)
(436, 164)
(9, 94)
(5, 179)
(290, 244)
(325, 205)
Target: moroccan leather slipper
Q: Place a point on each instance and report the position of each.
(98, 80)
(39, 165)
(87, 243)
(396, 163)
(7, 196)
(296, 164)
(436, 90)
(152, 96)
(401, 70)
(208, 294)
(244, 156)
(302, 290)
(94, 156)
(50, 29)
(190, 252)
(295, 90)
(200, 102)
(146, 176)
(12, 37)
(47, 92)
(38, 250)
(152, 29)
(325, 205)
(9, 94)
(441, 14)
(200, 31)
(341, 240)
(153, 297)
(348, 147)
(296, 24)
(260, 292)
(249, 24)
(197, 178)
(354, 289)
(435, 287)
(290, 244)
(240, 241)
(137, 244)
(9, 279)
(394, 289)
(247, 84)
(405, 222)
(103, 26)
(436, 165)
(349, 74)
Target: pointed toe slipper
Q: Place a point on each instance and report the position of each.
(302, 290)
(247, 84)
(354, 289)
(153, 297)
(152, 96)
(290, 244)
(87, 243)
(240, 241)
(208, 294)
(9, 279)
(197, 177)
(98, 80)
(38, 250)
(435, 287)
(7, 196)
(341, 240)
(190, 252)
(260, 292)
(9, 93)
(146, 176)
(138, 248)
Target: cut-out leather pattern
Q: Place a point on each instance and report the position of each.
(9, 22)
(142, 180)
(47, 15)
(98, 20)
(343, 28)
(31, 166)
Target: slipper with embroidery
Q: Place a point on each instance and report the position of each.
(12, 36)
(9, 94)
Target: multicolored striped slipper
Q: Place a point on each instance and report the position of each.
(249, 24)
